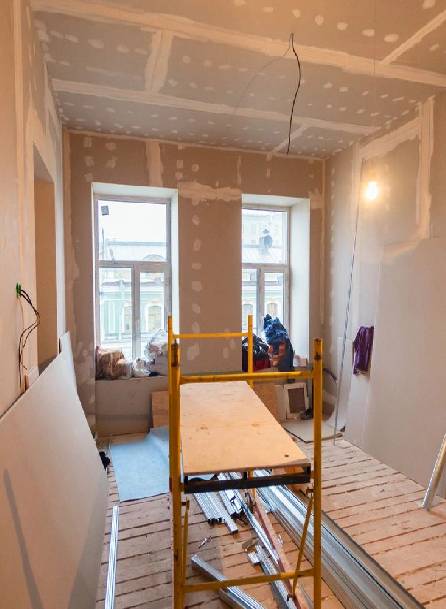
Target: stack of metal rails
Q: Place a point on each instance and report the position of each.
(216, 511)
(262, 552)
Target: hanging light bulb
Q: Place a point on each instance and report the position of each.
(371, 190)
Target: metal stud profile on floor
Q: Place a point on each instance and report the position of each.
(233, 596)
(356, 579)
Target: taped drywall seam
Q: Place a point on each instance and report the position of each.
(158, 62)
(294, 136)
(202, 192)
(416, 38)
(424, 199)
(170, 101)
(226, 149)
(239, 170)
(186, 28)
(154, 164)
(388, 142)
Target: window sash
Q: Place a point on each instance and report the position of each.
(137, 267)
(261, 269)
(286, 232)
(128, 199)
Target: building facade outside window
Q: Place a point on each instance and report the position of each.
(132, 250)
(265, 260)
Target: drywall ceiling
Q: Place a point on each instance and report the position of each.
(219, 73)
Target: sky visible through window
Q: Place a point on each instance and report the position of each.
(136, 230)
(264, 236)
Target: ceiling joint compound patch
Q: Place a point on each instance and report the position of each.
(185, 74)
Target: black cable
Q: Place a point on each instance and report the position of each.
(26, 333)
(256, 74)
(22, 343)
(299, 81)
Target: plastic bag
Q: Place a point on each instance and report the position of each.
(281, 350)
(160, 365)
(157, 345)
(140, 367)
(275, 332)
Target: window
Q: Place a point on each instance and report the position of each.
(132, 271)
(265, 270)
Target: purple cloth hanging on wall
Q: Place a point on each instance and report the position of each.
(362, 350)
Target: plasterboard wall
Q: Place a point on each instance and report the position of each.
(397, 414)
(46, 285)
(300, 277)
(210, 183)
(28, 122)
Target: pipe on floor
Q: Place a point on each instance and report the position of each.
(234, 597)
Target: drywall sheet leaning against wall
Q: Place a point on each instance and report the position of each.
(52, 498)
(406, 417)
(388, 227)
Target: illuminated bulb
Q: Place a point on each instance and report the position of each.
(371, 190)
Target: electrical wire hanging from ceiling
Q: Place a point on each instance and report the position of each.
(267, 65)
(299, 82)
(256, 74)
(23, 339)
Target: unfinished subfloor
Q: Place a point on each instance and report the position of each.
(377, 506)
(381, 511)
(143, 573)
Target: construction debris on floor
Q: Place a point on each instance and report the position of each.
(364, 501)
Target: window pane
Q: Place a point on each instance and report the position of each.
(264, 236)
(132, 231)
(152, 299)
(249, 297)
(274, 295)
(115, 303)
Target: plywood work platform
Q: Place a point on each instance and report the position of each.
(218, 416)
(144, 570)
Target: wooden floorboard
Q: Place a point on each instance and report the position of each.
(143, 574)
(380, 509)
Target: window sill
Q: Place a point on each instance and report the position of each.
(124, 406)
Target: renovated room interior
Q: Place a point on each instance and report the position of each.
(174, 170)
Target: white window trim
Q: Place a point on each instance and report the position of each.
(136, 267)
(271, 268)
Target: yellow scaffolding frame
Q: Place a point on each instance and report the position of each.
(176, 486)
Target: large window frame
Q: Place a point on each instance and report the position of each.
(137, 267)
(262, 268)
